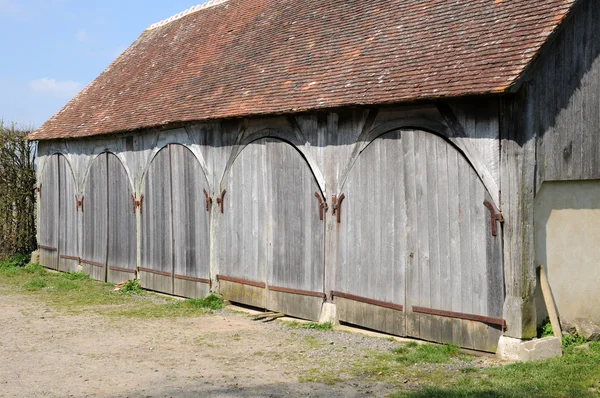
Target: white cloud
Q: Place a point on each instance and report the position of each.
(81, 35)
(53, 87)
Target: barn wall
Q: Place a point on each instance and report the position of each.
(549, 129)
(330, 144)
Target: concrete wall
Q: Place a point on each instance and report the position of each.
(567, 232)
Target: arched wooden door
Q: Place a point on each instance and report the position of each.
(417, 253)
(175, 225)
(48, 221)
(271, 235)
(109, 230)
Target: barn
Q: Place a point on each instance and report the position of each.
(406, 163)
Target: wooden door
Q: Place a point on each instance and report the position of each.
(296, 234)
(175, 225)
(271, 238)
(156, 268)
(122, 239)
(109, 230)
(48, 223)
(425, 247)
(68, 256)
(191, 225)
(95, 220)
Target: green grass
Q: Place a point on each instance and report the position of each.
(576, 374)
(76, 292)
(326, 326)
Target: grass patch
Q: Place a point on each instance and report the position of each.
(324, 327)
(76, 292)
(576, 374)
(426, 353)
(132, 287)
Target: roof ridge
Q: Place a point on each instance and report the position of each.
(175, 17)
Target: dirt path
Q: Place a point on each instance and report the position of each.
(49, 353)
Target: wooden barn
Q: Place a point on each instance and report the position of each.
(407, 163)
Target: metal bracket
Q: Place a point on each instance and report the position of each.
(208, 200)
(39, 190)
(336, 206)
(221, 200)
(493, 216)
(322, 205)
(79, 203)
(137, 203)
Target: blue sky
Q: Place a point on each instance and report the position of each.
(51, 49)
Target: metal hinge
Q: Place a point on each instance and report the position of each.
(336, 206)
(221, 200)
(494, 217)
(39, 190)
(322, 206)
(137, 203)
(208, 200)
(79, 203)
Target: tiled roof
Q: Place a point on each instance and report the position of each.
(256, 57)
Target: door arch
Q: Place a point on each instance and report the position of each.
(109, 227)
(175, 225)
(417, 255)
(271, 235)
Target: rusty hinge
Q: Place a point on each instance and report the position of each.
(493, 216)
(322, 205)
(336, 206)
(221, 200)
(39, 190)
(208, 200)
(79, 203)
(137, 203)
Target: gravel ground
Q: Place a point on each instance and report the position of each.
(56, 354)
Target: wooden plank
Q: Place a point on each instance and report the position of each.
(122, 230)
(382, 319)
(412, 250)
(549, 301)
(243, 293)
(95, 220)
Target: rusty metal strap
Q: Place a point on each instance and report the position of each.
(119, 269)
(49, 248)
(192, 279)
(365, 300)
(95, 264)
(493, 216)
(459, 315)
(296, 291)
(241, 281)
(153, 271)
(74, 258)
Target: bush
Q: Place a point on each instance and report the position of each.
(17, 184)
(132, 287)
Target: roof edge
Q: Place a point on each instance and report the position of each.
(516, 84)
(208, 4)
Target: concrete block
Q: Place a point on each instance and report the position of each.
(35, 257)
(328, 313)
(529, 350)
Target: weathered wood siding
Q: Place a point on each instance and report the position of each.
(95, 220)
(68, 254)
(563, 105)
(48, 220)
(549, 132)
(269, 248)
